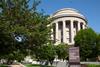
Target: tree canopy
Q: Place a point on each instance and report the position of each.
(23, 30)
(62, 51)
(86, 40)
(98, 44)
(47, 53)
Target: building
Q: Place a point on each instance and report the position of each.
(66, 23)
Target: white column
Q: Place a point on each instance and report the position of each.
(56, 32)
(83, 26)
(52, 37)
(72, 32)
(78, 26)
(64, 32)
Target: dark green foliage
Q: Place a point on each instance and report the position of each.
(62, 51)
(98, 44)
(46, 53)
(22, 29)
(86, 40)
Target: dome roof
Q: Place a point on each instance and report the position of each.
(67, 12)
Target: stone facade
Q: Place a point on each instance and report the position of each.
(66, 23)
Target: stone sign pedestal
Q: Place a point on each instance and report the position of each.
(74, 65)
(74, 57)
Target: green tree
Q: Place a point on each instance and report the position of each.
(23, 30)
(47, 53)
(86, 40)
(62, 51)
(9, 47)
(98, 45)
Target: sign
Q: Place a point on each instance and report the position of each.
(74, 57)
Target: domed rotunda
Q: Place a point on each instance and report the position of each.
(66, 23)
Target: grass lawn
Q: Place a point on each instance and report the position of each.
(93, 65)
(3, 65)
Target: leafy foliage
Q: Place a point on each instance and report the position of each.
(47, 53)
(62, 51)
(22, 29)
(86, 40)
(98, 44)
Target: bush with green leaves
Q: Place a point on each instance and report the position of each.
(86, 40)
(23, 29)
(46, 53)
(62, 51)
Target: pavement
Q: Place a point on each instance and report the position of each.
(18, 65)
(60, 64)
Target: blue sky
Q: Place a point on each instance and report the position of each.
(89, 8)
